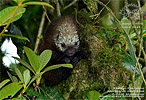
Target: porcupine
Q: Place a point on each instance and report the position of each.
(62, 38)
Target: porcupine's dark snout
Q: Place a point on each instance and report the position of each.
(70, 51)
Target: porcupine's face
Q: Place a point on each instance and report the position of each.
(67, 39)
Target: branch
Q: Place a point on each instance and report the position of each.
(58, 8)
(39, 33)
(102, 9)
(72, 3)
(46, 13)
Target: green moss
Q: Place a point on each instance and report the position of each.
(103, 69)
(108, 58)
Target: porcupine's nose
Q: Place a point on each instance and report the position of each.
(70, 51)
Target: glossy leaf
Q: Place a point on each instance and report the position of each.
(33, 58)
(107, 97)
(24, 63)
(38, 3)
(130, 48)
(16, 36)
(35, 77)
(14, 99)
(129, 63)
(10, 90)
(13, 78)
(19, 74)
(4, 82)
(7, 13)
(129, 58)
(44, 58)
(26, 76)
(57, 66)
(93, 95)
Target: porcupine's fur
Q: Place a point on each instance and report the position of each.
(62, 38)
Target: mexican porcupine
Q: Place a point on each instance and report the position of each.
(62, 38)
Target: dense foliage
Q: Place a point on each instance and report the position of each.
(113, 34)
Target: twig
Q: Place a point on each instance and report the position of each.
(102, 10)
(144, 55)
(46, 13)
(141, 33)
(140, 39)
(39, 32)
(76, 16)
(110, 11)
(58, 8)
(135, 29)
(141, 27)
(72, 3)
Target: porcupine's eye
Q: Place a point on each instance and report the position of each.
(76, 43)
(63, 45)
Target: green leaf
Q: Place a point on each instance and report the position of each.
(25, 64)
(19, 74)
(130, 48)
(44, 59)
(10, 90)
(38, 3)
(93, 95)
(13, 78)
(7, 13)
(21, 97)
(14, 99)
(4, 82)
(129, 59)
(126, 24)
(57, 66)
(26, 76)
(33, 58)
(108, 97)
(35, 77)
(16, 36)
(129, 62)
